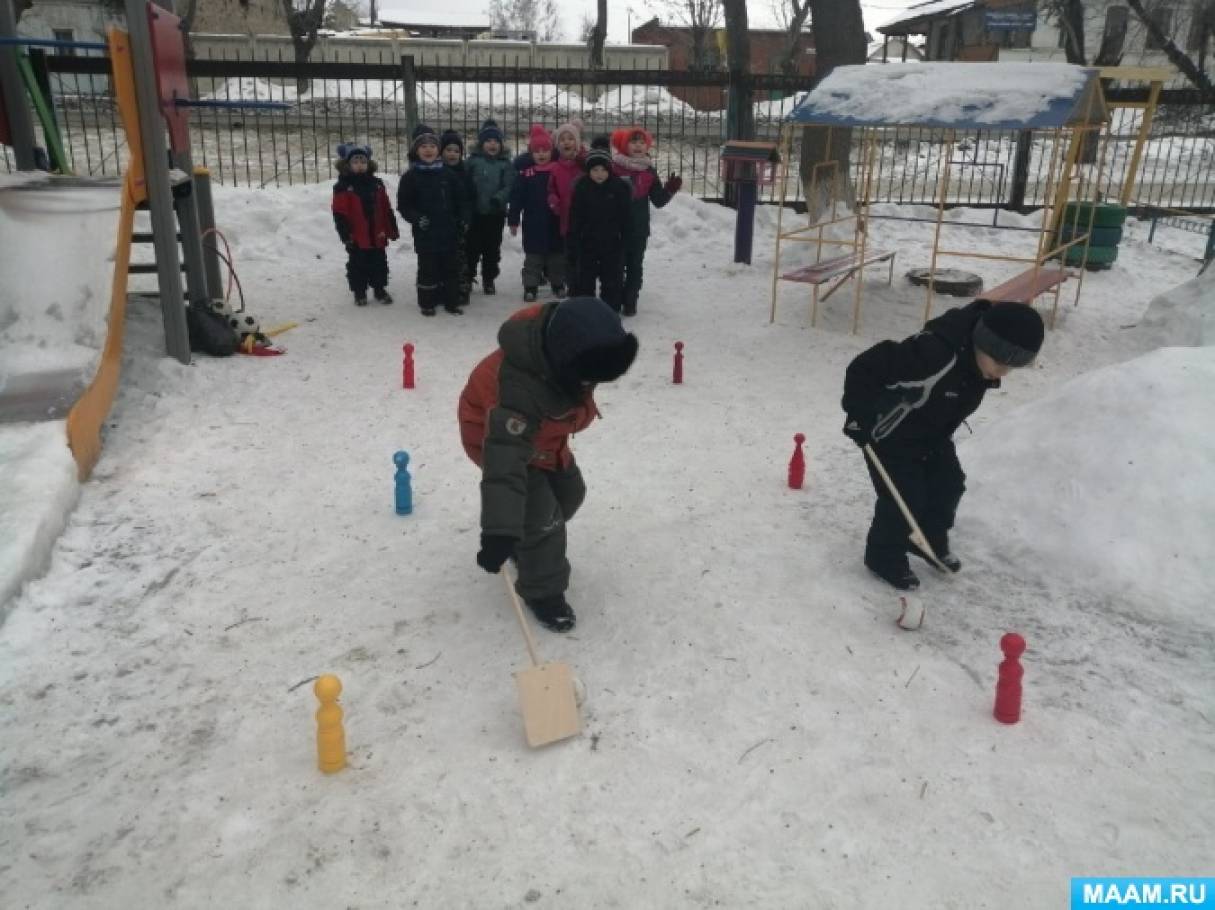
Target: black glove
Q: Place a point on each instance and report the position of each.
(495, 550)
(424, 223)
(673, 184)
(859, 433)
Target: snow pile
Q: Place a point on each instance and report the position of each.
(642, 101)
(58, 242)
(37, 494)
(1184, 316)
(1109, 481)
(945, 93)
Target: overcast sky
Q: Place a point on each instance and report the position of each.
(621, 12)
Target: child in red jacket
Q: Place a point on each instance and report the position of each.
(362, 214)
(632, 162)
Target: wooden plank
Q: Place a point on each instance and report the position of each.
(1026, 286)
(826, 269)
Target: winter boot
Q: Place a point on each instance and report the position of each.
(382, 295)
(454, 309)
(553, 613)
(947, 559)
(630, 305)
(897, 576)
(360, 300)
(487, 287)
(530, 294)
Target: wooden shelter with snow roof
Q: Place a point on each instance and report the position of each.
(1053, 110)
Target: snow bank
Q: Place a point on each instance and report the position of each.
(1178, 317)
(58, 243)
(38, 491)
(1109, 481)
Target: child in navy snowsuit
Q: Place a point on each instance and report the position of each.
(543, 250)
(600, 223)
(906, 399)
(492, 174)
(452, 145)
(363, 217)
(632, 162)
(431, 197)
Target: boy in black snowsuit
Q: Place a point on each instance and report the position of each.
(452, 145)
(431, 197)
(906, 399)
(600, 220)
(363, 217)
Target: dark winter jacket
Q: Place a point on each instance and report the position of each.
(492, 178)
(514, 414)
(460, 169)
(910, 396)
(601, 216)
(645, 188)
(362, 213)
(529, 202)
(432, 199)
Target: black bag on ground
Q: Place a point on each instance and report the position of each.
(209, 331)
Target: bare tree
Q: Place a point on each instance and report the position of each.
(599, 34)
(792, 15)
(1070, 16)
(700, 18)
(839, 40)
(304, 19)
(535, 17)
(1192, 71)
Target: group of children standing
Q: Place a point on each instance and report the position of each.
(585, 214)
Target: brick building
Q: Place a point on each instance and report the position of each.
(767, 46)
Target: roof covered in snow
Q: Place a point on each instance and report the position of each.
(963, 95)
(920, 14)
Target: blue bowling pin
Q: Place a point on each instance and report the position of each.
(404, 490)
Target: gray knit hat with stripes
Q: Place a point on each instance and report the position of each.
(1010, 333)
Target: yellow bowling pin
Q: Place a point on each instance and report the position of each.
(330, 734)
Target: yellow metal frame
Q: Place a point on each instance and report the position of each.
(1067, 180)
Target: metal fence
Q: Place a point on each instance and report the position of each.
(375, 100)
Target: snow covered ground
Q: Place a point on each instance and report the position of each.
(757, 731)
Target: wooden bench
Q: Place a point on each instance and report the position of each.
(1027, 286)
(840, 268)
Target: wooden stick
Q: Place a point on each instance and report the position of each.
(917, 536)
(527, 632)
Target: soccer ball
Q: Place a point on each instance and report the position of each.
(243, 324)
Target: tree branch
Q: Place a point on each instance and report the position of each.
(1176, 56)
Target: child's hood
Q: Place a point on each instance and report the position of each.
(956, 326)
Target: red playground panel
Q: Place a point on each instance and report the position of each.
(169, 58)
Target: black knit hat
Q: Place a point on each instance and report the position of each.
(423, 132)
(1010, 333)
(602, 141)
(599, 157)
(586, 342)
(490, 130)
(451, 137)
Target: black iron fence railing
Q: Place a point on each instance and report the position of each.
(377, 99)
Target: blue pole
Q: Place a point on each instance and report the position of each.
(744, 222)
(48, 42)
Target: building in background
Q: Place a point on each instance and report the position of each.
(767, 49)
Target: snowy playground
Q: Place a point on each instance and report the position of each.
(756, 730)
